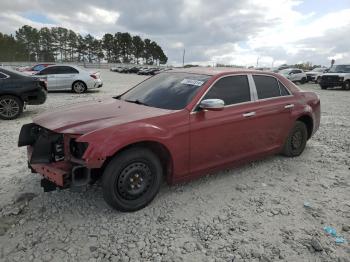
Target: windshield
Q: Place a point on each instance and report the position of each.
(285, 71)
(340, 69)
(166, 90)
(318, 69)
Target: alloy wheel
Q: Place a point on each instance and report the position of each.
(79, 87)
(9, 107)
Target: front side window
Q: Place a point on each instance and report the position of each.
(230, 89)
(266, 86)
(172, 91)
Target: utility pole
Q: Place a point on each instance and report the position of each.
(183, 58)
(257, 61)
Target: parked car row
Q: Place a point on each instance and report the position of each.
(138, 70)
(29, 86)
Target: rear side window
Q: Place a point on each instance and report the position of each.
(266, 86)
(284, 90)
(230, 89)
(50, 71)
(67, 70)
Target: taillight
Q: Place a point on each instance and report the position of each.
(94, 76)
(43, 83)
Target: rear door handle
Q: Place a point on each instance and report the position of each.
(289, 106)
(249, 114)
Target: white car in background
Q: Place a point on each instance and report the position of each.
(315, 74)
(69, 77)
(294, 75)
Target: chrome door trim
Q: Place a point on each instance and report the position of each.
(289, 106)
(249, 114)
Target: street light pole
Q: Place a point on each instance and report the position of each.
(183, 58)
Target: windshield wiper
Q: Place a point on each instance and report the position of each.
(136, 102)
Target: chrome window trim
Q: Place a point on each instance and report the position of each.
(6, 75)
(194, 111)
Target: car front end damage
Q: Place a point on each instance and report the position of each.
(57, 157)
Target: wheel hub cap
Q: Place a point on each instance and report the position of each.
(134, 181)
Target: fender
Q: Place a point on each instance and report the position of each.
(106, 142)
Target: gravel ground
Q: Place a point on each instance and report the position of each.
(270, 210)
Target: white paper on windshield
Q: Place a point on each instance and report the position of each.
(192, 82)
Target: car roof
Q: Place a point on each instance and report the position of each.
(211, 71)
(13, 73)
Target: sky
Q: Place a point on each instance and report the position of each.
(236, 32)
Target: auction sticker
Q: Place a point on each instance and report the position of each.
(192, 82)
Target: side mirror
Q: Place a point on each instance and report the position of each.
(212, 104)
(291, 73)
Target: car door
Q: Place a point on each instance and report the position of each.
(273, 107)
(49, 74)
(219, 137)
(66, 77)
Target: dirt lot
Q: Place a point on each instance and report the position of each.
(270, 210)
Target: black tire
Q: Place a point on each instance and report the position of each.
(323, 87)
(303, 80)
(11, 107)
(79, 87)
(132, 179)
(346, 85)
(296, 141)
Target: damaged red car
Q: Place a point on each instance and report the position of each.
(174, 126)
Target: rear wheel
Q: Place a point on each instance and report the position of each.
(79, 87)
(323, 87)
(346, 85)
(303, 80)
(10, 107)
(296, 141)
(132, 179)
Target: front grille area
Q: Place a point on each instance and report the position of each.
(47, 146)
(331, 78)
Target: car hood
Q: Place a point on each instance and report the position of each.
(337, 74)
(90, 116)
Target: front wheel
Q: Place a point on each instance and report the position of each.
(10, 107)
(132, 179)
(296, 141)
(346, 85)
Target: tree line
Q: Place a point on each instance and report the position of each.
(60, 44)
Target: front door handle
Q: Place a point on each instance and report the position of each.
(289, 106)
(249, 114)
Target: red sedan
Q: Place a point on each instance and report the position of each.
(176, 125)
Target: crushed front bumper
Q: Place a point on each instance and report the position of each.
(50, 155)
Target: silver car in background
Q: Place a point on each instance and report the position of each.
(69, 77)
